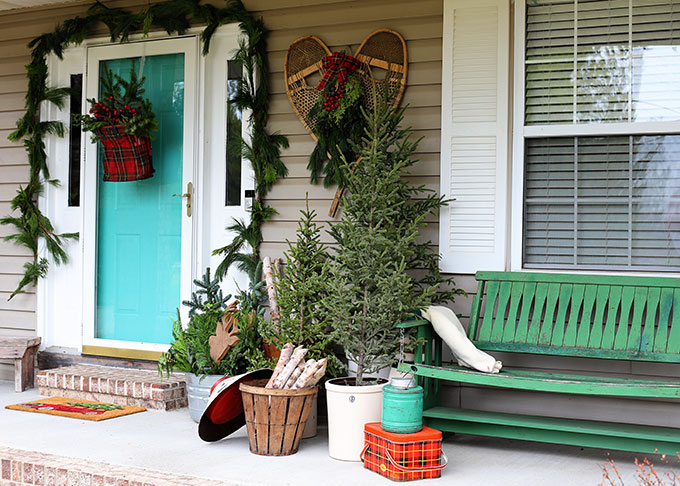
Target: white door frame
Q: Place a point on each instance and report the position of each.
(188, 45)
(216, 215)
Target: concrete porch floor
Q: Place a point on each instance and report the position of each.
(168, 441)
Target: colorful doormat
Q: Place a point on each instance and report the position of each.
(76, 408)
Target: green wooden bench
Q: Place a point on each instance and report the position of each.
(586, 316)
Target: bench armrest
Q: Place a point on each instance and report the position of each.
(416, 322)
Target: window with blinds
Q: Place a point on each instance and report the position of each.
(609, 200)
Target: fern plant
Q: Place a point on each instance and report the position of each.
(189, 351)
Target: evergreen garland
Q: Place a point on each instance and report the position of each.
(175, 17)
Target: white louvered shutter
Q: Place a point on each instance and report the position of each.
(474, 152)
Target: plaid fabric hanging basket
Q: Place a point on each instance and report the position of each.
(126, 157)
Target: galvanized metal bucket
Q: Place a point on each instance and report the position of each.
(198, 393)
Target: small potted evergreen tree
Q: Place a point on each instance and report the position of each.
(297, 314)
(369, 288)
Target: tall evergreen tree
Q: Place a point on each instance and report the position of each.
(370, 281)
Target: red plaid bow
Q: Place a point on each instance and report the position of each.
(340, 65)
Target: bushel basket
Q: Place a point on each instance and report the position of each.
(275, 418)
(126, 157)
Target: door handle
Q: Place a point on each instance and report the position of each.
(187, 196)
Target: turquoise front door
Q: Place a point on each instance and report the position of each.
(139, 224)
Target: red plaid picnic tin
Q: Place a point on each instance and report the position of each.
(126, 157)
(403, 457)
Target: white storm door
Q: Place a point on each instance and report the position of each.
(138, 236)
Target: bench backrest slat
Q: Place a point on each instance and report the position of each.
(610, 325)
(636, 322)
(627, 296)
(577, 293)
(561, 318)
(503, 298)
(522, 327)
(539, 303)
(648, 331)
(545, 335)
(515, 297)
(487, 320)
(674, 334)
(583, 332)
(665, 305)
(584, 315)
(597, 328)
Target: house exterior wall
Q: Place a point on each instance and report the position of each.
(17, 28)
(342, 25)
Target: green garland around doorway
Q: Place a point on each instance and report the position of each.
(175, 17)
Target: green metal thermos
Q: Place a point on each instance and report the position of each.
(402, 411)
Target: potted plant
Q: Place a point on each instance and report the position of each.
(122, 120)
(190, 350)
(368, 285)
(295, 296)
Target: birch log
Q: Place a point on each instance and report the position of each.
(318, 375)
(296, 374)
(298, 355)
(270, 279)
(286, 352)
(308, 374)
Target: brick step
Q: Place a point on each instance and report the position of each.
(24, 468)
(121, 386)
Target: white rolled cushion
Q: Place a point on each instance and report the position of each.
(449, 328)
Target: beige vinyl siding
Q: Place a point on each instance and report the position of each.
(17, 28)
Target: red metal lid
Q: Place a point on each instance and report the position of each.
(426, 434)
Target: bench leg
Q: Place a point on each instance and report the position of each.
(24, 371)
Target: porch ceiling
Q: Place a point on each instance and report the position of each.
(11, 4)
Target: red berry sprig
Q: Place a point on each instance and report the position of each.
(333, 99)
(112, 111)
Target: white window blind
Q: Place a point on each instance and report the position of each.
(602, 61)
(474, 154)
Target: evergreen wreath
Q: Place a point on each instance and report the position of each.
(121, 104)
(175, 17)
